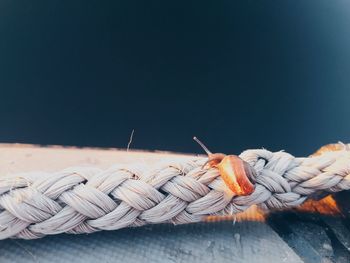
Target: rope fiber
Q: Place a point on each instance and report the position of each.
(85, 200)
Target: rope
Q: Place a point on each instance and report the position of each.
(85, 200)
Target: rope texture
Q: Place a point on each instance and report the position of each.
(85, 200)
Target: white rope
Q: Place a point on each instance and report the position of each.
(85, 200)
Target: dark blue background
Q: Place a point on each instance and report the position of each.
(238, 74)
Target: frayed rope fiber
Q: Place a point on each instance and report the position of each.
(85, 200)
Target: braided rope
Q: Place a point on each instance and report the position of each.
(85, 200)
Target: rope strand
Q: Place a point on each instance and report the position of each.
(85, 200)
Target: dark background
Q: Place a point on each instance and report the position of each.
(238, 74)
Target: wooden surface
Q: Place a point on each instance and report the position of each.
(316, 232)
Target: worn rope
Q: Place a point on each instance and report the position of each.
(85, 200)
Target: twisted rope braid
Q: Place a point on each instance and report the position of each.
(85, 200)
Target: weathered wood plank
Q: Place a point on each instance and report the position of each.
(203, 242)
(310, 236)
